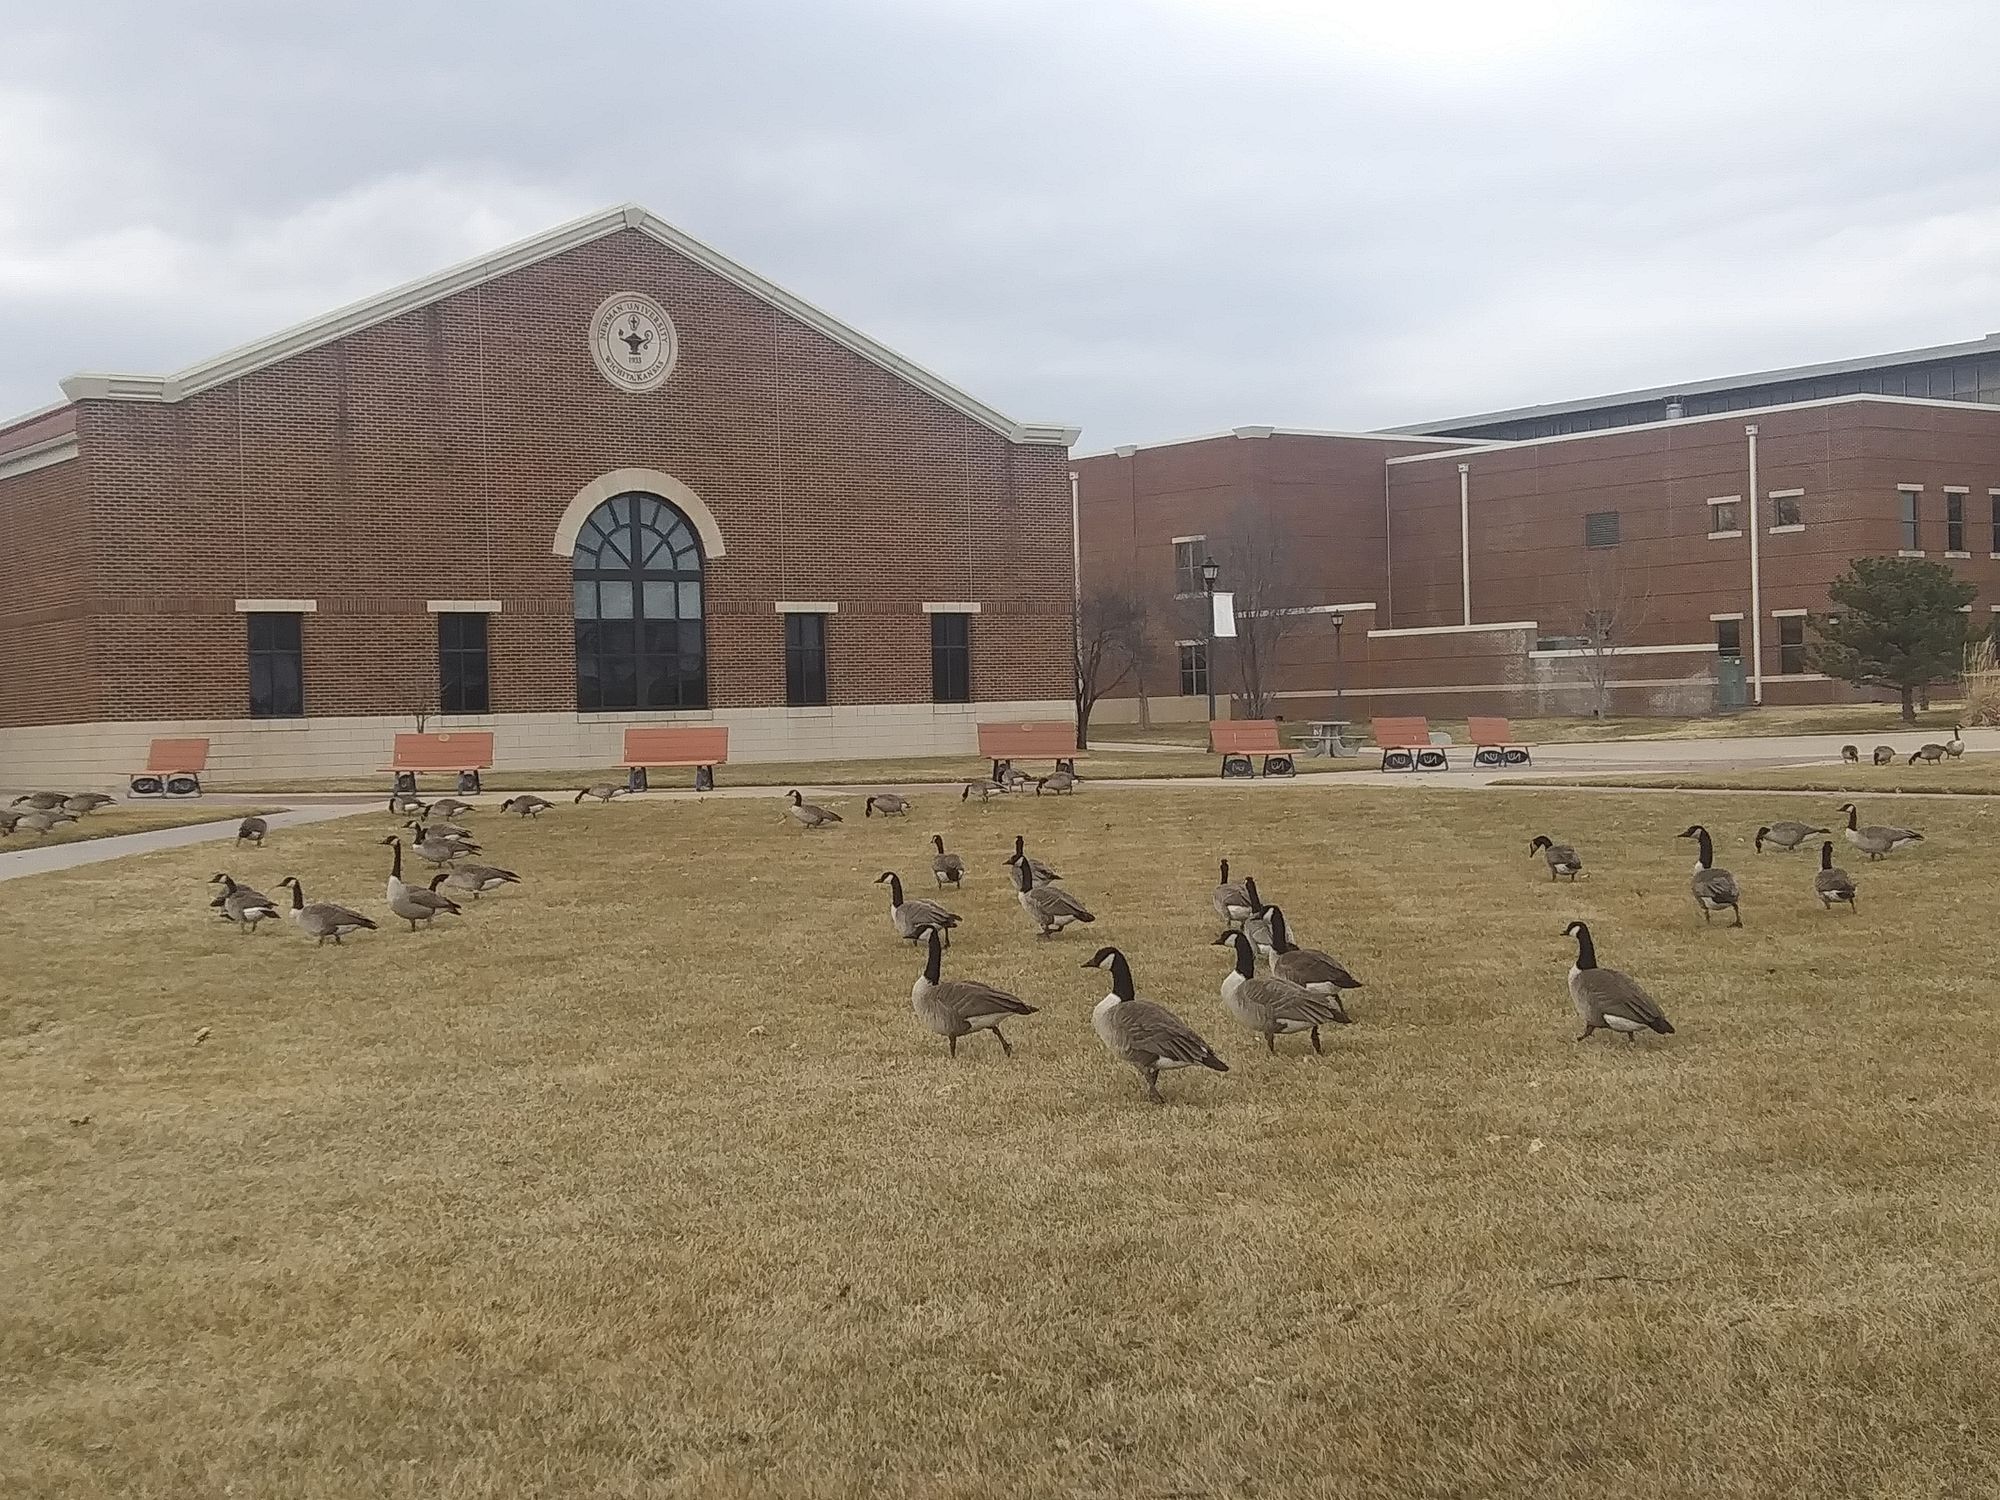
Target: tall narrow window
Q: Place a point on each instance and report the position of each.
(1909, 499)
(1995, 497)
(461, 663)
(1729, 638)
(277, 666)
(1189, 552)
(805, 660)
(639, 640)
(1954, 523)
(1791, 644)
(1600, 529)
(1194, 669)
(951, 658)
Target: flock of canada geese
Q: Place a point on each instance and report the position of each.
(1298, 991)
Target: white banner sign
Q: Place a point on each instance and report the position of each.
(1225, 617)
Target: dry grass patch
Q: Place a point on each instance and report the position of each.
(1976, 775)
(642, 1180)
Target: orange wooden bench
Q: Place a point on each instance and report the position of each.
(464, 753)
(703, 746)
(1236, 740)
(1493, 743)
(173, 769)
(1406, 745)
(1040, 739)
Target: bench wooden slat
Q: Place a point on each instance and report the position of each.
(1406, 733)
(1245, 736)
(459, 750)
(1040, 739)
(177, 757)
(677, 745)
(1490, 731)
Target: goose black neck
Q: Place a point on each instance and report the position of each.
(1020, 846)
(1225, 873)
(396, 859)
(1707, 847)
(1851, 818)
(1826, 856)
(938, 840)
(895, 890)
(1280, 942)
(934, 960)
(1121, 978)
(1586, 950)
(298, 896)
(1246, 958)
(1250, 890)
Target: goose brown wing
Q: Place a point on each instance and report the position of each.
(1717, 885)
(340, 916)
(1147, 1030)
(1614, 994)
(1834, 882)
(968, 1000)
(1310, 966)
(929, 912)
(1053, 901)
(1283, 1000)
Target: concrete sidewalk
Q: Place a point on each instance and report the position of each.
(15, 863)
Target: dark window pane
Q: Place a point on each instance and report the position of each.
(640, 579)
(1792, 644)
(1194, 671)
(1909, 511)
(951, 658)
(462, 670)
(1954, 523)
(1785, 510)
(1729, 638)
(805, 659)
(1600, 529)
(277, 666)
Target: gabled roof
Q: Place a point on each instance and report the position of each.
(359, 315)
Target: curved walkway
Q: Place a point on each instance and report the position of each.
(40, 860)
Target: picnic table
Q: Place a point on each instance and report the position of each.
(1328, 737)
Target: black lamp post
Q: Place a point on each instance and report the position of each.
(1210, 571)
(1339, 667)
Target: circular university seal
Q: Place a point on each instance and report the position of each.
(633, 341)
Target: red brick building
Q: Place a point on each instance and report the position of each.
(604, 476)
(1462, 572)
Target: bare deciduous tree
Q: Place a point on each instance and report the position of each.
(1605, 614)
(1259, 566)
(1111, 641)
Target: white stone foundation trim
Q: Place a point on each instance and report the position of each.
(273, 752)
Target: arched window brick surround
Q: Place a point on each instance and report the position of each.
(624, 481)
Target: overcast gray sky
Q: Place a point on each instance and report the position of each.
(1150, 217)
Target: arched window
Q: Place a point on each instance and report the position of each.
(639, 640)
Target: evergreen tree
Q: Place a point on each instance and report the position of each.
(1896, 622)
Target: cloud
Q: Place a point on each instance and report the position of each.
(1150, 216)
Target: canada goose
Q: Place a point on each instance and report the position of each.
(477, 879)
(1607, 999)
(1256, 926)
(1562, 858)
(1785, 835)
(946, 869)
(1875, 840)
(1851, 754)
(1050, 907)
(42, 821)
(603, 791)
(407, 802)
(1270, 1005)
(1714, 890)
(322, 919)
(458, 833)
(8, 818)
(1954, 747)
(808, 816)
(1013, 779)
(437, 848)
(1309, 968)
(888, 804)
(1057, 781)
(40, 801)
(1832, 883)
(1930, 752)
(412, 903)
(86, 802)
(1885, 755)
(1145, 1036)
(985, 791)
(1231, 901)
(526, 807)
(958, 1007)
(241, 905)
(1042, 873)
(252, 831)
(910, 918)
(447, 807)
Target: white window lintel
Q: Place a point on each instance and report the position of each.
(1785, 494)
(462, 606)
(1726, 500)
(277, 606)
(950, 607)
(1789, 614)
(806, 607)
(1718, 619)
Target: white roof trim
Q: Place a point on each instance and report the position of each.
(1685, 422)
(1456, 629)
(1126, 450)
(43, 455)
(351, 319)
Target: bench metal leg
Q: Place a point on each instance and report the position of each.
(704, 778)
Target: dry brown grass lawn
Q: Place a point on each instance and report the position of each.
(642, 1180)
(128, 819)
(1978, 775)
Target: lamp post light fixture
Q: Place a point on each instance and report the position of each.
(1339, 666)
(1210, 571)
